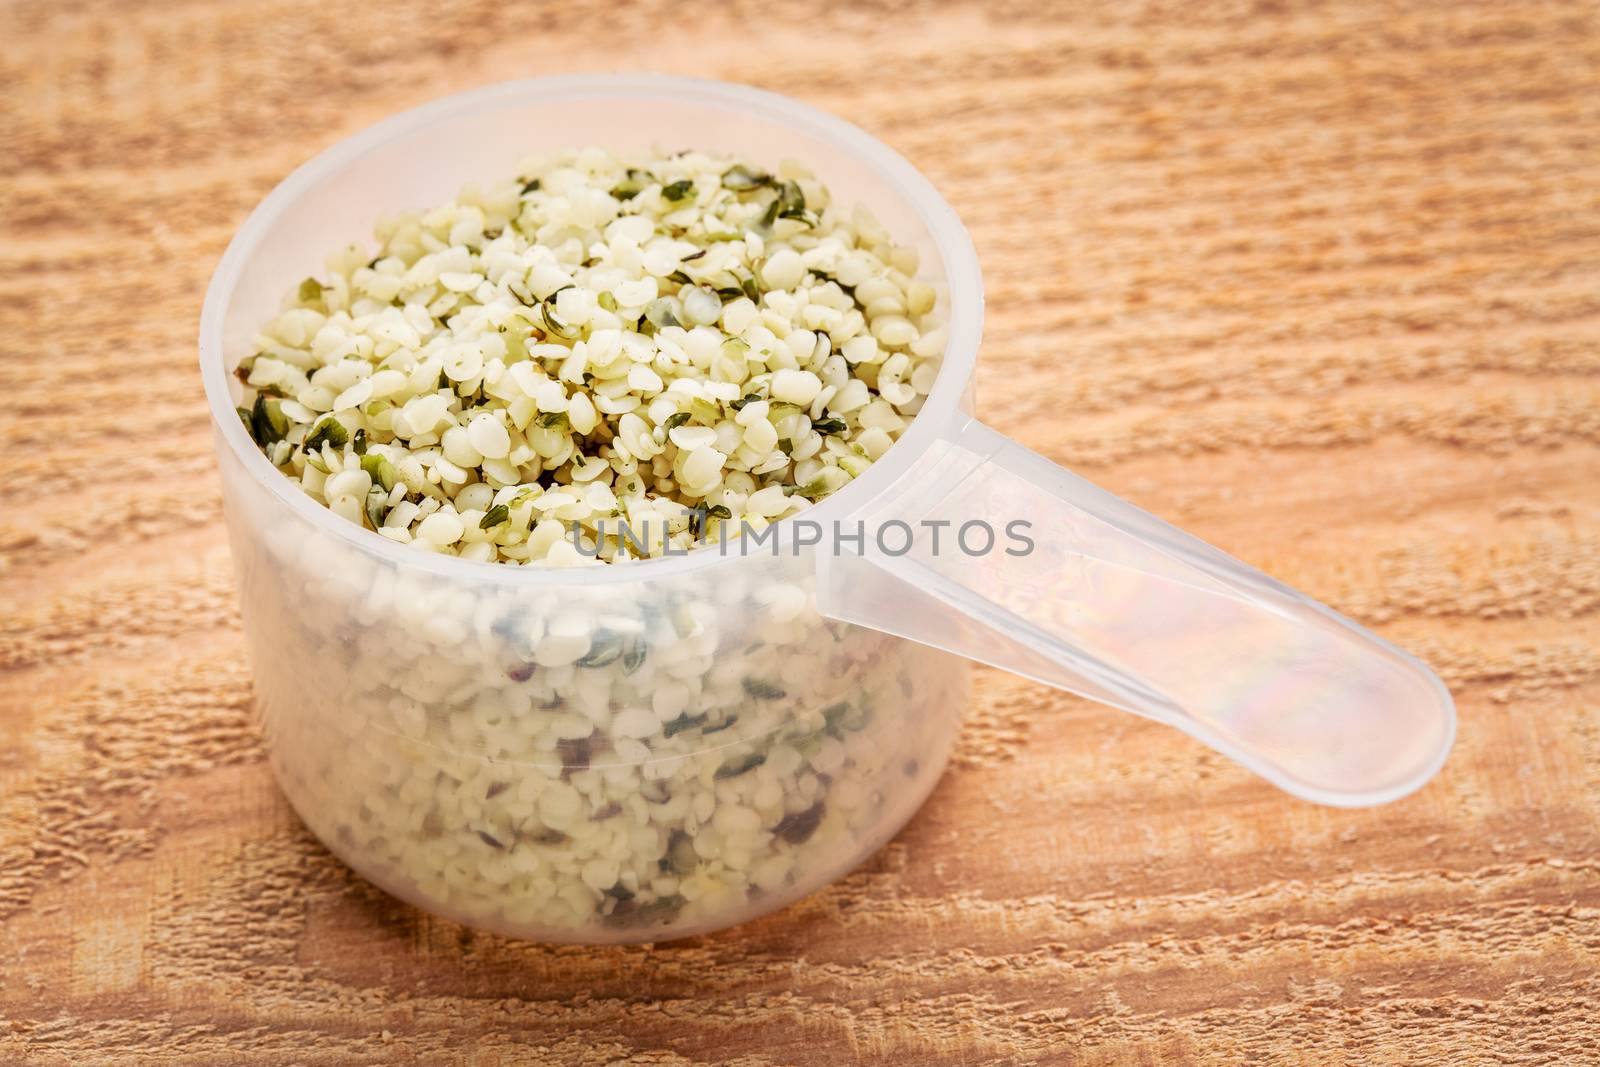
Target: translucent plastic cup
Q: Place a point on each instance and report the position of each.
(665, 747)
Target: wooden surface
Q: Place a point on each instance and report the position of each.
(1319, 282)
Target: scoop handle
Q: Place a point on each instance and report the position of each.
(1112, 603)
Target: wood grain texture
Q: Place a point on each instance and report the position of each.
(1320, 282)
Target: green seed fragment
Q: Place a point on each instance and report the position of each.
(329, 430)
(790, 203)
(635, 183)
(797, 827)
(553, 324)
(812, 490)
(659, 314)
(740, 765)
(833, 716)
(380, 470)
(707, 411)
(268, 423)
(681, 723)
(681, 857)
(742, 179)
(377, 507)
(604, 649)
(844, 717)
(760, 689)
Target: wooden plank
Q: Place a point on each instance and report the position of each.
(1319, 282)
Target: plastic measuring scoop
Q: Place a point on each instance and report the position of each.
(427, 714)
(1111, 602)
